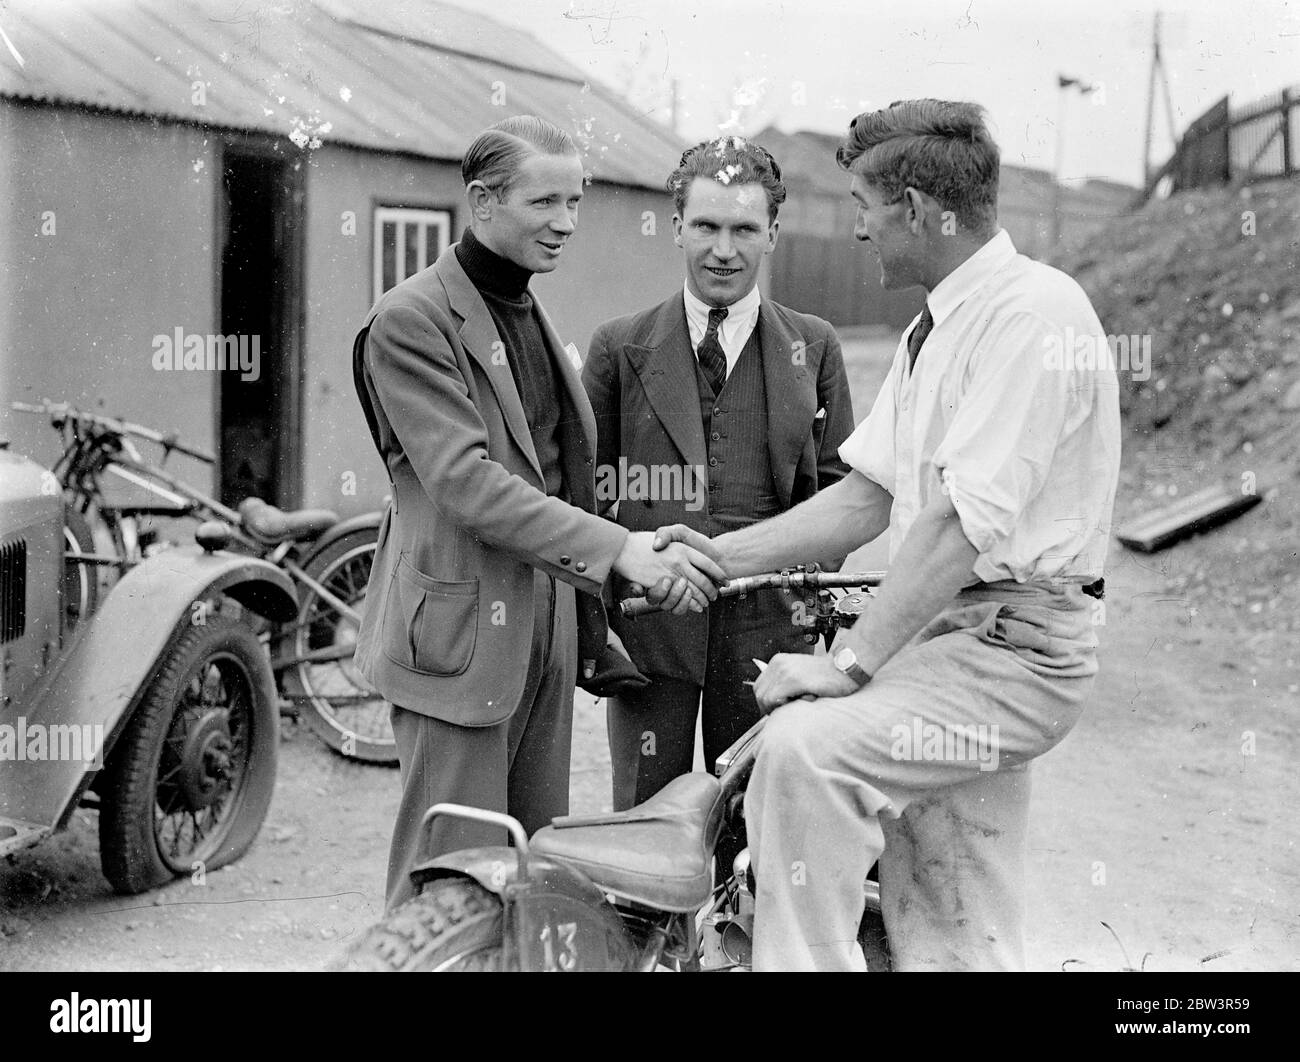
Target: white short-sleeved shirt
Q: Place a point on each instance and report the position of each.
(1013, 410)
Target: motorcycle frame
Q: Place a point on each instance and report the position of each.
(540, 888)
(93, 451)
(535, 889)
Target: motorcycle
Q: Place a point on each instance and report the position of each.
(106, 482)
(631, 890)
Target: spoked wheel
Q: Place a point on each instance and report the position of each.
(188, 785)
(340, 706)
(454, 925)
(80, 580)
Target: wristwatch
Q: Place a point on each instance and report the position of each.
(846, 662)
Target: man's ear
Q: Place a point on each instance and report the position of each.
(773, 230)
(916, 209)
(479, 196)
(677, 229)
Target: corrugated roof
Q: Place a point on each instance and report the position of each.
(321, 71)
(806, 159)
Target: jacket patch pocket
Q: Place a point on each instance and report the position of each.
(434, 625)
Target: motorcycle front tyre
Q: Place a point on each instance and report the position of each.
(454, 925)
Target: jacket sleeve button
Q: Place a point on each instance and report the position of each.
(580, 566)
(565, 560)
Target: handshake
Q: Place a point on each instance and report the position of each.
(676, 568)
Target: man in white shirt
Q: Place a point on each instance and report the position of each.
(716, 408)
(992, 461)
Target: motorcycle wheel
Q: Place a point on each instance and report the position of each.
(80, 581)
(454, 925)
(188, 784)
(340, 706)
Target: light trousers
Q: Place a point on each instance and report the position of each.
(925, 770)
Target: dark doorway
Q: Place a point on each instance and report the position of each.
(259, 233)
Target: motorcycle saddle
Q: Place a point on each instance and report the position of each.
(264, 521)
(657, 853)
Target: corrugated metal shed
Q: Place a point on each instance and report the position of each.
(807, 159)
(321, 71)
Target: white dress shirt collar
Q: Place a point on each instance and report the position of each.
(739, 323)
(970, 276)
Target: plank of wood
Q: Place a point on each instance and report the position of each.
(1187, 516)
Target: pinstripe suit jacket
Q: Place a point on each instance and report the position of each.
(640, 377)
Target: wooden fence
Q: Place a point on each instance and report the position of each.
(1225, 144)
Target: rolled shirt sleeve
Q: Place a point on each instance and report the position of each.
(870, 448)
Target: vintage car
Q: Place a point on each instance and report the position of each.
(154, 703)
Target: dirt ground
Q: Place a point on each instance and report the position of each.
(1168, 814)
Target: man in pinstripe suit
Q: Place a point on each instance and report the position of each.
(716, 408)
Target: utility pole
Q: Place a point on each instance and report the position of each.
(1157, 68)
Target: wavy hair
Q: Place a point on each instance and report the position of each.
(728, 160)
(938, 147)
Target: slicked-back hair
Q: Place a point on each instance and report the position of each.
(728, 160)
(497, 153)
(938, 147)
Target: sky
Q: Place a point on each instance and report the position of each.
(740, 65)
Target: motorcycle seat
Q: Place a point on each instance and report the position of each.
(657, 853)
(269, 524)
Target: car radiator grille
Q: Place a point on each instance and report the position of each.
(13, 590)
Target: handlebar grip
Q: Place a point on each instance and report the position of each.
(636, 606)
(799, 581)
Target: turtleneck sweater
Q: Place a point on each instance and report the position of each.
(504, 287)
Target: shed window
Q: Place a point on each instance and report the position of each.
(407, 240)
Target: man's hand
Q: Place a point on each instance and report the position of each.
(612, 641)
(665, 594)
(792, 675)
(688, 536)
(682, 578)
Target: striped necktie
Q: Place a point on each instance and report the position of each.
(712, 360)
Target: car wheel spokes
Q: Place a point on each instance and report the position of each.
(204, 763)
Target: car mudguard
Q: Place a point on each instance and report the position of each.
(95, 685)
(558, 920)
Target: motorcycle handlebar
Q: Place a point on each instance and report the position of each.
(785, 580)
(61, 412)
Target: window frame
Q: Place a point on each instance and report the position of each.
(423, 215)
